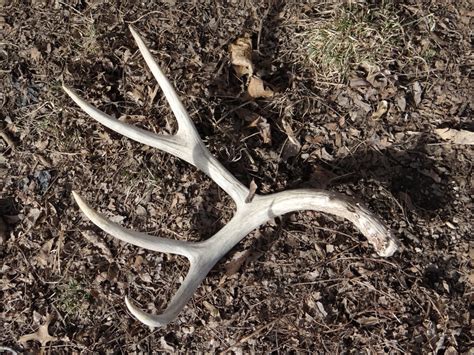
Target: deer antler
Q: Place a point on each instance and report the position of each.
(187, 145)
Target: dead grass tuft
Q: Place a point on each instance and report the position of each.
(351, 35)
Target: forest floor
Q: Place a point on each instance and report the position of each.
(369, 98)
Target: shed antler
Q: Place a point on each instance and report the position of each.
(187, 145)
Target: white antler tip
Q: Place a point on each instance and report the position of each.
(132, 30)
(391, 248)
(80, 202)
(67, 89)
(143, 317)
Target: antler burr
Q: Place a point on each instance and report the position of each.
(187, 145)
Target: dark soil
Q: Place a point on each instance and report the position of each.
(307, 282)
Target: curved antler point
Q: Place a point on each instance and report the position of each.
(391, 248)
(142, 316)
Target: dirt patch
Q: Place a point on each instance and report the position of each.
(358, 92)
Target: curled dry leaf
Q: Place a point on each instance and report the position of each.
(241, 56)
(456, 136)
(44, 257)
(382, 108)
(358, 83)
(368, 321)
(321, 309)
(256, 88)
(264, 128)
(292, 146)
(213, 310)
(236, 263)
(401, 102)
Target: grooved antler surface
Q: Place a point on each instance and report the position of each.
(187, 145)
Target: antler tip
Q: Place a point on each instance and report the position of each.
(66, 88)
(143, 317)
(391, 247)
(135, 34)
(84, 207)
(76, 196)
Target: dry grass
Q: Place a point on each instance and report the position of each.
(346, 37)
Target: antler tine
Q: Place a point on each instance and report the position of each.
(196, 274)
(142, 240)
(185, 124)
(169, 144)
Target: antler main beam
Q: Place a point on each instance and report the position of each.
(187, 145)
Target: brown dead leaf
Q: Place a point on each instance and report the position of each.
(42, 145)
(105, 137)
(377, 80)
(416, 91)
(236, 263)
(35, 54)
(369, 68)
(213, 310)
(42, 334)
(241, 56)
(31, 218)
(321, 309)
(456, 136)
(44, 258)
(292, 145)
(145, 277)
(359, 102)
(264, 128)
(256, 88)
(137, 94)
(382, 108)
(138, 262)
(401, 102)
